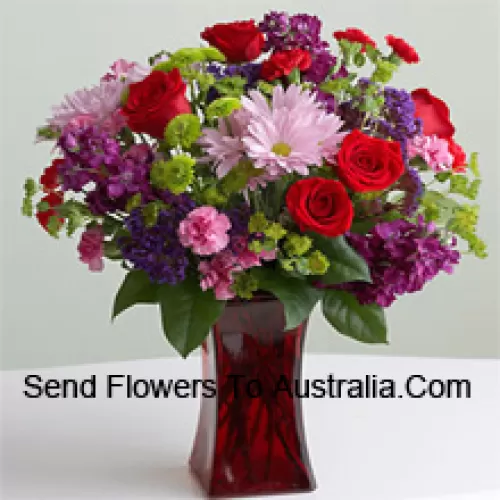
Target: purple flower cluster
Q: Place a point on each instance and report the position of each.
(402, 257)
(238, 234)
(302, 31)
(92, 156)
(399, 122)
(411, 183)
(156, 249)
(88, 154)
(288, 32)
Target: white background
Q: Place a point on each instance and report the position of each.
(54, 312)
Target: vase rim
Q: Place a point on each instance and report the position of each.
(259, 296)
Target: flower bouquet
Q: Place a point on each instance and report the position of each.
(242, 182)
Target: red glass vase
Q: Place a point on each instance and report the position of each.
(250, 438)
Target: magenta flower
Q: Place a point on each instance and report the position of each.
(204, 230)
(91, 248)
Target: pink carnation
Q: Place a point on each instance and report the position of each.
(217, 274)
(91, 248)
(433, 150)
(204, 230)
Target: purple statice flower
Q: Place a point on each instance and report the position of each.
(88, 154)
(402, 256)
(398, 121)
(156, 249)
(412, 184)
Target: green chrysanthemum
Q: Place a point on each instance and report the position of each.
(175, 175)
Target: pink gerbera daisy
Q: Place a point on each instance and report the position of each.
(290, 134)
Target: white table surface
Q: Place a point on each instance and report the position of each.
(361, 449)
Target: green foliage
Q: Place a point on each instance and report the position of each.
(473, 164)
(297, 296)
(317, 263)
(75, 213)
(237, 178)
(54, 226)
(244, 285)
(459, 184)
(188, 56)
(297, 245)
(133, 202)
(222, 107)
(111, 250)
(346, 264)
(258, 223)
(265, 87)
(464, 224)
(47, 133)
(384, 71)
(212, 196)
(275, 231)
(372, 53)
(183, 131)
(30, 189)
(365, 323)
(437, 207)
(175, 174)
(231, 86)
(151, 211)
(359, 60)
(187, 314)
(136, 288)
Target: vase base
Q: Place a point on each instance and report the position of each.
(259, 488)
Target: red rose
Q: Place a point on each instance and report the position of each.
(239, 41)
(355, 35)
(50, 178)
(54, 199)
(282, 63)
(320, 205)
(459, 157)
(368, 163)
(402, 49)
(154, 101)
(434, 114)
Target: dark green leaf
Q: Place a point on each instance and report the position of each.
(136, 288)
(187, 314)
(297, 296)
(364, 323)
(346, 264)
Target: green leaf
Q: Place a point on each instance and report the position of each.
(222, 107)
(346, 264)
(187, 314)
(365, 323)
(359, 60)
(183, 131)
(231, 86)
(473, 164)
(296, 295)
(136, 288)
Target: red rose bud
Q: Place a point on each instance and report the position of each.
(153, 102)
(355, 35)
(434, 113)
(459, 157)
(282, 63)
(239, 41)
(320, 205)
(53, 199)
(50, 177)
(402, 49)
(366, 163)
